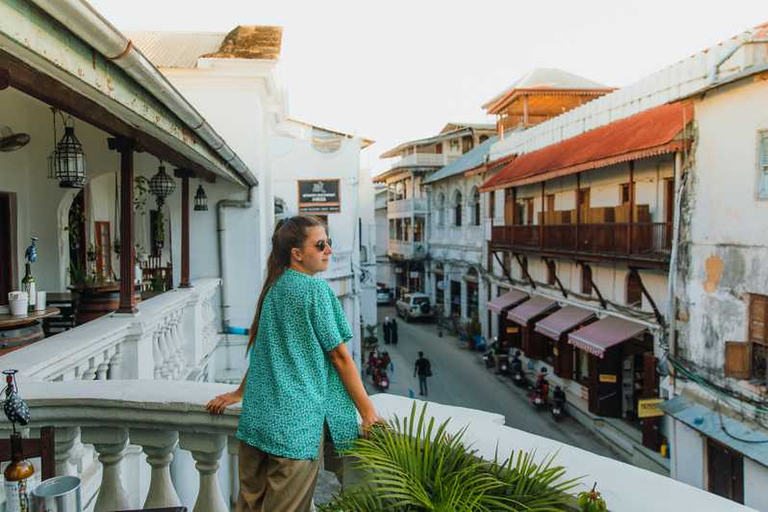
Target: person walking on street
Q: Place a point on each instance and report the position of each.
(301, 385)
(423, 369)
(393, 331)
(386, 327)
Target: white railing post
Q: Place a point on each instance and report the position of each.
(66, 450)
(110, 444)
(206, 449)
(116, 364)
(103, 368)
(159, 446)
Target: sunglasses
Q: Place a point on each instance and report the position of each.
(320, 246)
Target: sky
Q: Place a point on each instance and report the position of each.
(398, 70)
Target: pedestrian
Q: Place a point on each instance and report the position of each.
(393, 331)
(423, 369)
(387, 330)
(301, 385)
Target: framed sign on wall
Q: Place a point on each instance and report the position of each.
(319, 196)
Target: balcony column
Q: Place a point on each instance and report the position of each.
(206, 450)
(158, 445)
(184, 174)
(631, 204)
(126, 148)
(110, 444)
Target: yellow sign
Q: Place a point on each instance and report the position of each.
(649, 408)
(555, 352)
(611, 379)
(513, 330)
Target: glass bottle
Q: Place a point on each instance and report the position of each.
(18, 478)
(28, 285)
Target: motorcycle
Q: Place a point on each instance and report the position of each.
(540, 394)
(503, 365)
(558, 403)
(488, 356)
(516, 370)
(380, 379)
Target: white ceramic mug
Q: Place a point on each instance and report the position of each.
(18, 302)
(41, 301)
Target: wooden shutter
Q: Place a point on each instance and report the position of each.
(738, 358)
(758, 307)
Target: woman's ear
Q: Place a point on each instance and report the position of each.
(296, 254)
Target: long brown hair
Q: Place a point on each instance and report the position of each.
(289, 233)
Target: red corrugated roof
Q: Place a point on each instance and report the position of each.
(651, 132)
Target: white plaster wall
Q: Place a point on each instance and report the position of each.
(755, 485)
(688, 461)
(724, 229)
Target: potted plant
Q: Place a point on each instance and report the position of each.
(417, 465)
(371, 340)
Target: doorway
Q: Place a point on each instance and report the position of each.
(7, 245)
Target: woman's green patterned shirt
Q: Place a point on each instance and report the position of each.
(292, 388)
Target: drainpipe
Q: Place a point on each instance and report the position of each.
(87, 24)
(221, 249)
(672, 279)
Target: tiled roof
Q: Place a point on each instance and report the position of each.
(468, 160)
(654, 131)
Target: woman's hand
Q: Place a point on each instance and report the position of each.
(369, 421)
(221, 402)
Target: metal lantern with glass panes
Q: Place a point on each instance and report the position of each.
(68, 159)
(161, 185)
(201, 200)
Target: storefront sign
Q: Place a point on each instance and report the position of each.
(513, 330)
(607, 378)
(319, 196)
(649, 408)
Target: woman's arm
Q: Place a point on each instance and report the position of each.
(221, 402)
(342, 361)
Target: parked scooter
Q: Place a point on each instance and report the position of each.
(380, 379)
(540, 392)
(503, 364)
(488, 357)
(558, 403)
(516, 370)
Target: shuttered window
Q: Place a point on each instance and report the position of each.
(762, 157)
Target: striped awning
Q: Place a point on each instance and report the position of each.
(510, 299)
(563, 320)
(598, 337)
(530, 309)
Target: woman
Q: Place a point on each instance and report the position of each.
(301, 380)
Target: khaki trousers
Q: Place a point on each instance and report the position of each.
(276, 484)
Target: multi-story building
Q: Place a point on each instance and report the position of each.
(601, 212)
(407, 201)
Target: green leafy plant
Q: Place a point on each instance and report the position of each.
(141, 194)
(416, 465)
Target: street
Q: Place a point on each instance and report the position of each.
(460, 378)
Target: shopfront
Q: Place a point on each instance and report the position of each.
(473, 296)
(509, 333)
(555, 328)
(621, 372)
(525, 316)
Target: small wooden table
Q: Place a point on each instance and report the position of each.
(8, 321)
(19, 331)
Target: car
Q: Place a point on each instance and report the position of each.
(383, 296)
(414, 305)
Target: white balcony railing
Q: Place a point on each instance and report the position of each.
(407, 207)
(422, 160)
(184, 447)
(169, 338)
(409, 250)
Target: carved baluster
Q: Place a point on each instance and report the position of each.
(116, 364)
(165, 368)
(103, 368)
(180, 357)
(206, 450)
(157, 354)
(90, 373)
(159, 446)
(110, 444)
(67, 450)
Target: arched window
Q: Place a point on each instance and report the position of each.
(475, 207)
(457, 207)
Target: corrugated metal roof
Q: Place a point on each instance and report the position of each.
(468, 160)
(548, 79)
(431, 140)
(650, 132)
(743, 438)
(176, 49)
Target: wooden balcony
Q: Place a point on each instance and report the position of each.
(650, 241)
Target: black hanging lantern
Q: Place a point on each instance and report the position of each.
(201, 200)
(161, 185)
(68, 160)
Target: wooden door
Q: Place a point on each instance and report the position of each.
(669, 200)
(564, 358)
(103, 249)
(605, 383)
(529, 211)
(651, 427)
(509, 207)
(725, 471)
(7, 246)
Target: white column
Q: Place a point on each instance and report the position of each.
(110, 444)
(206, 449)
(159, 446)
